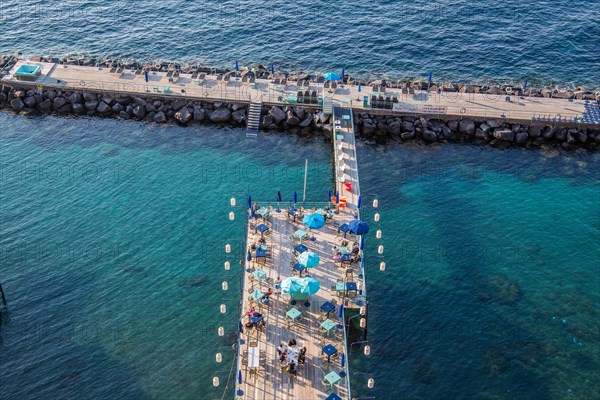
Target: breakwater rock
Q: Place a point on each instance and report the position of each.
(158, 110)
(297, 119)
(497, 133)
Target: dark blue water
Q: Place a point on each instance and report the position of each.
(457, 40)
(112, 232)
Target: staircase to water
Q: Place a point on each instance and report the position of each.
(253, 123)
(327, 105)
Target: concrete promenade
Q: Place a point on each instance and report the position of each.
(211, 88)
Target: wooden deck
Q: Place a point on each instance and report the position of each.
(271, 381)
(464, 105)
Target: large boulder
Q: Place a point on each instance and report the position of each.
(521, 137)
(108, 99)
(118, 107)
(78, 108)
(394, 128)
(139, 111)
(495, 90)
(504, 134)
(429, 135)
(221, 114)
(45, 106)
(291, 119)
(299, 111)
(199, 114)
(75, 97)
(535, 131)
(494, 123)
(407, 135)
(453, 125)
(178, 104)
(239, 116)
(183, 116)
(103, 108)
(91, 105)
(29, 101)
(65, 109)
(306, 122)
(408, 126)
(138, 101)
(17, 104)
(87, 96)
(58, 102)
(277, 114)
(466, 126)
(2, 97)
(447, 133)
(160, 117)
(267, 120)
(237, 106)
(51, 94)
(368, 127)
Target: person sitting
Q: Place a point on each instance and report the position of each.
(283, 356)
(268, 293)
(255, 207)
(337, 257)
(344, 243)
(292, 342)
(251, 313)
(280, 349)
(262, 241)
(291, 368)
(355, 248)
(302, 356)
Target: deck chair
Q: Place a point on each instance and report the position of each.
(166, 89)
(169, 74)
(194, 75)
(326, 85)
(155, 89)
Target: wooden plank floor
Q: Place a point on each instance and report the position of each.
(465, 105)
(272, 382)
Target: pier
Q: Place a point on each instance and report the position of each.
(380, 99)
(276, 238)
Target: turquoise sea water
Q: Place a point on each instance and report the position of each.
(457, 40)
(113, 233)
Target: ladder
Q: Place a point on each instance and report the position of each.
(327, 105)
(253, 123)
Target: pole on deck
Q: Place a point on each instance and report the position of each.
(305, 173)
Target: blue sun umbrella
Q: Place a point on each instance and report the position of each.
(331, 76)
(291, 285)
(309, 285)
(314, 221)
(341, 311)
(525, 85)
(359, 201)
(430, 78)
(240, 376)
(337, 197)
(358, 87)
(358, 227)
(295, 199)
(250, 202)
(309, 259)
(237, 66)
(342, 360)
(343, 75)
(272, 69)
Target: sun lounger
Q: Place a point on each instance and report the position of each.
(166, 89)
(169, 74)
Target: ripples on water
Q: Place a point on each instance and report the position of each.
(458, 40)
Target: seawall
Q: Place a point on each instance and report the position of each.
(297, 119)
